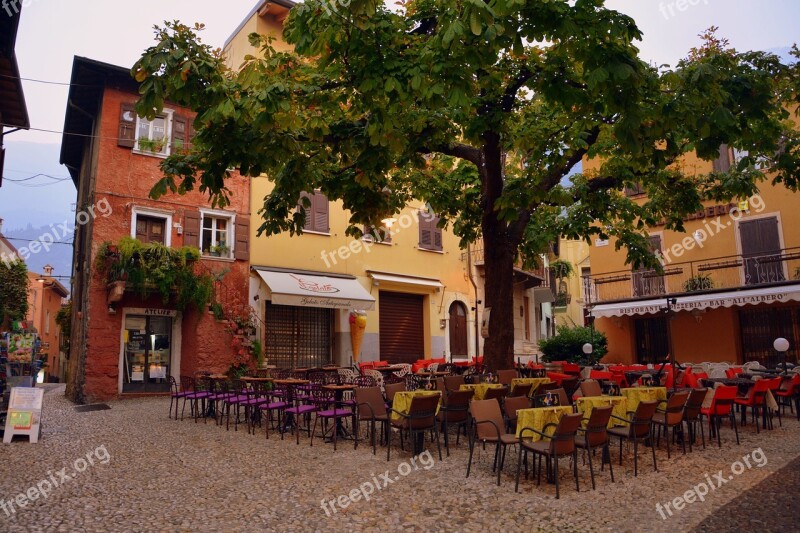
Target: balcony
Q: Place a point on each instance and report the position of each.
(708, 275)
(531, 278)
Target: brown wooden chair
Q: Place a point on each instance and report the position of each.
(488, 426)
(452, 383)
(570, 386)
(370, 408)
(392, 389)
(595, 436)
(560, 444)
(496, 393)
(523, 389)
(511, 405)
(691, 415)
(421, 417)
(671, 417)
(505, 376)
(454, 411)
(639, 428)
(591, 387)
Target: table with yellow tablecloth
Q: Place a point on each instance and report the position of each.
(481, 389)
(533, 381)
(538, 417)
(585, 405)
(635, 395)
(402, 401)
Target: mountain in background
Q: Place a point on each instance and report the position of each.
(32, 206)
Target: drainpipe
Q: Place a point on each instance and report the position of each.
(477, 302)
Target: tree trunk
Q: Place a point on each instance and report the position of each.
(498, 348)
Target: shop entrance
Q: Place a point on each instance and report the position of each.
(146, 359)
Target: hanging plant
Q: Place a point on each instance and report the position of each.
(561, 269)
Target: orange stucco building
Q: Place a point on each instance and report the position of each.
(730, 284)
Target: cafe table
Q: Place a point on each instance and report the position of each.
(533, 381)
(635, 395)
(402, 401)
(538, 417)
(481, 388)
(585, 404)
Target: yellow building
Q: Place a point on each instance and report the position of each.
(570, 304)
(730, 285)
(410, 278)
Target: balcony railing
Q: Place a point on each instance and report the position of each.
(477, 253)
(729, 272)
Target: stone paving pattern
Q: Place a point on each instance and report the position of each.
(167, 475)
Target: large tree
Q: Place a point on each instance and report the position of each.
(481, 109)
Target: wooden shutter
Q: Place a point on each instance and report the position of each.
(319, 204)
(180, 134)
(723, 162)
(127, 126)
(191, 229)
(425, 236)
(309, 211)
(436, 231)
(241, 247)
(378, 234)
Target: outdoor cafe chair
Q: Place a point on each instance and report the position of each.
(691, 415)
(671, 417)
(370, 408)
(789, 390)
(347, 375)
(276, 402)
(327, 410)
(590, 388)
(299, 407)
(756, 401)
(421, 417)
(454, 412)
(176, 392)
(523, 390)
(198, 392)
(594, 436)
(488, 426)
(393, 389)
(721, 406)
(639, 428)
(452, 383)
(238, 394)
(511, 405)
(505, 376)
(560, 444)
(374, 374)
(498, 394)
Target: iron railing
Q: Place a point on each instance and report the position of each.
(728, 272)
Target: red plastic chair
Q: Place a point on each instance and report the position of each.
(721, 406)
(790, 389)
(601, 374)
(756, 401)
(729, 373)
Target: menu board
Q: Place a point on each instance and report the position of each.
(24, 413)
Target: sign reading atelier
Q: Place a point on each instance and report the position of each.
(24, 413)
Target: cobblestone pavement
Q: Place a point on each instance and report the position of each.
(130, 468)
(772, 505)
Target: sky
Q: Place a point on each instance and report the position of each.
(52, 32)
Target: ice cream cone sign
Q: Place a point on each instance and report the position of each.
(358, 323)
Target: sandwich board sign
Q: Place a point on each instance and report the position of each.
(24, 413)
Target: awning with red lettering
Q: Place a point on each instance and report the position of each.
(765, 295)
(301, 289)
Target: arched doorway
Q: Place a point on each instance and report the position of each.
(458, 330)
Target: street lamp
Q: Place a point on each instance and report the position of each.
(588, 348)
(781, 345)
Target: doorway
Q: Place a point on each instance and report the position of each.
(458, 330)
(146, 361)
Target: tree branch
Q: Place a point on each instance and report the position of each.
(462, 151)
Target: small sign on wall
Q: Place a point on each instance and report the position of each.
(601, 242)
(485, 322)
(24, 413)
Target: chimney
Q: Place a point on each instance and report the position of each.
(48, 270)
(1, 226)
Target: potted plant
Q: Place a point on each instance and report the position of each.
(155, 146)
(700, 282)
(220, 250)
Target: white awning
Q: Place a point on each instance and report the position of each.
(543, 295)
(407, 280)
(700, 301)
(307, 290)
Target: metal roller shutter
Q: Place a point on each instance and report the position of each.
(402, 332)
(298, 336)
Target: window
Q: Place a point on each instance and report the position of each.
(634, 190)
(430, 234)
(153, 137)
(166, 134)
(526, 315)
(380, 234)
(150, 229)
(215, 238)
(316, 212)
(151, 225)
(47, 322)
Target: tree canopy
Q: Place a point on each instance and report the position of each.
(481, 109)
(13, 291)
